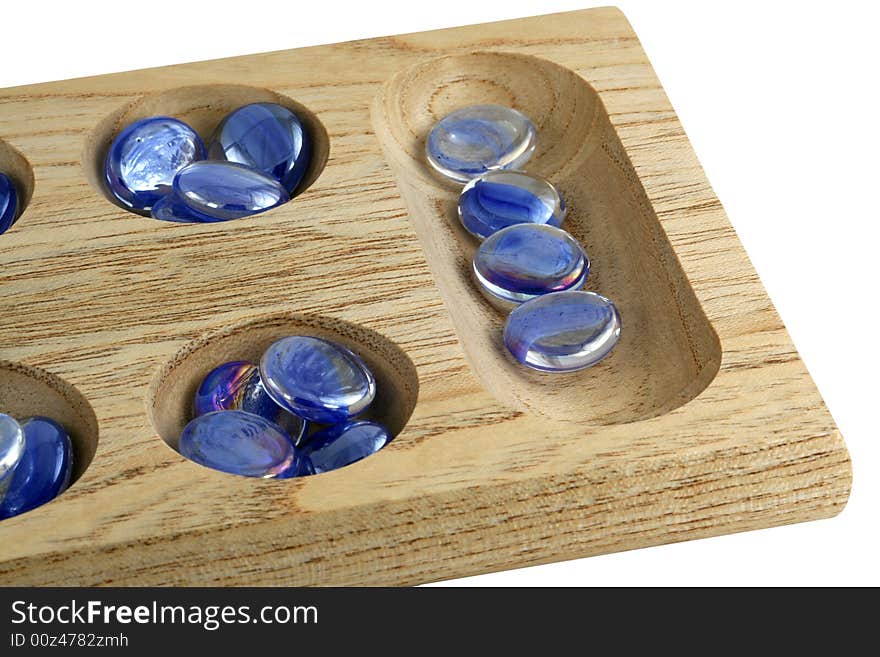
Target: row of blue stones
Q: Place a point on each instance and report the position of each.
(293, 414)
(256, 158)
(526, 264)
(36, 462)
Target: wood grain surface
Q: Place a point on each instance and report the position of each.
(704, 421)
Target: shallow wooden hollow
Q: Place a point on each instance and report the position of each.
(169, 401)
(202, 107)
(668, 352)
(30, 391)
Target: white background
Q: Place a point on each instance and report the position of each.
(780, 103)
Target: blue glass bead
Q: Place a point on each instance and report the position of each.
(237, 386)
(226, 190)
(145, 157)
(11, 449)
(8, 203)
(44, 470)
(239, 443)
(317, 379)
(342, 444)
(473, 140)
(171, 208)
(524, 261)
(562, 331)
(505, 198)
(264, 136)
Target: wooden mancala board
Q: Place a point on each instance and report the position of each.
(703, 421)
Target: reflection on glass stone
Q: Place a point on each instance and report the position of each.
(239, 443)
(504, 198)
(44, 470)
(473, 140)
(11, 449)
(342, 444)
(8, 202)
(226, 190)
(317, 379)
(562, 331)
(265, 136)
(145, 157)
(237, 386)
(524, 261)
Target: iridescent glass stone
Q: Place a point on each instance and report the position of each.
(264, 136)
(237, 386)
(342, 444)
(524, 261)
(11, 449)
(8, 203)
(473, 140)
(239, 443)
(317, 379)
(504, 198)
(227, 190)
(43, 472)
(146, 156)
(562, 331)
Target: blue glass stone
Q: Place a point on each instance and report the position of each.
(524, 261)
(11, 449)
(473, 140)
(342, 444)
(562, 331)
(226, 190)
(505, 198)
(8, 202)
(264, 136)
(237, 386)
(239, 443)
(317, 379)
(171, 208)
(44, 470)
(145, 157)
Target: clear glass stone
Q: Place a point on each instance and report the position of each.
(239, 443)
(342, 444)
(237, 386)
(11, 449)
(500, 199)
(562, 331)
(473, 140)
(44, 471)
(265, 136)
(145, 157)
(317, 379)
(525, 261)
(226, 190)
